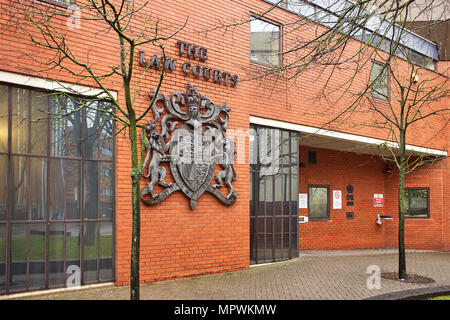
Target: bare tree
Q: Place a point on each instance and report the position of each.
(128, 26)
(322, 40)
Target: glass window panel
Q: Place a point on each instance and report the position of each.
(416, 202)
(294, 188)
(303, 9)
(18, 256)
(37, 255)
(90, 251)
(56, 255)
(3, 186)
(73, 270)
(72, 247)
(294, 152)
(38, 125)
(19, 179)
(264, 42)
(285, 152)
(3, 118)
(106, 145)
(65, 127)
(106, 251)
(379, 81)
(106, 185)
(91, 131)
(430, 64)
(318, 202)
(279, 191)
(265, 189)
(2, 257)
(91, 190)
(65, 189)
(416, 58)
(20, 119)
(38, 188)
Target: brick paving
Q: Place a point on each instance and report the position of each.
(316, 274)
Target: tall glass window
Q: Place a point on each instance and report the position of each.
(56, 223)
(264, 42)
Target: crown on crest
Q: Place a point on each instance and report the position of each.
(192, 96)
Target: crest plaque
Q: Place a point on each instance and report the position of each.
(193, 141)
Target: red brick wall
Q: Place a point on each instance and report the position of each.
(366, 174)
(178, 242)
(339, 169)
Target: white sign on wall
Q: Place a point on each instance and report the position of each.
(337, 199)
(302, 200)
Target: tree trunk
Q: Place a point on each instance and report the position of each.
(136, 221)
(401, 211)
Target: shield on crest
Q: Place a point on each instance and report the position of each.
(194, 168)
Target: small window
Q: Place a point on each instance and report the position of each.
(318, 202)
(265, 42)
(312, 157)
(416, 202)
(379, 81)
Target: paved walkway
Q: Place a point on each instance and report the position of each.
(328, 274)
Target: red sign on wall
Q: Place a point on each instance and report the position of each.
(378, 200)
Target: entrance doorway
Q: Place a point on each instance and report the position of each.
(273, 194)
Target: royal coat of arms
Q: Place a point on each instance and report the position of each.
(192, 139)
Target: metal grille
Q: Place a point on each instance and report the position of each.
(56, 193)
(273, 194)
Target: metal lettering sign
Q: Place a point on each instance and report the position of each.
(193, 52)
(192, 149)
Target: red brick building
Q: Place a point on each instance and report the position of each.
(65, 208)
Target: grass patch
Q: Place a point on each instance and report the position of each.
(56, 248)
(440, 298)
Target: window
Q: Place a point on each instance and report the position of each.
(51, 197)
(318, 202)
(264, 42)
(379, 81)
(416, 202)
(312, 157)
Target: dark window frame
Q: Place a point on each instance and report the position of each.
(428, 203)
(58, 3)
(327, 218)
(387, 99)
(48, 222)
(254, 16)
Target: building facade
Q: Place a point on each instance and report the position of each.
(302, 180)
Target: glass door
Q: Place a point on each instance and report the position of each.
(273, 194)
